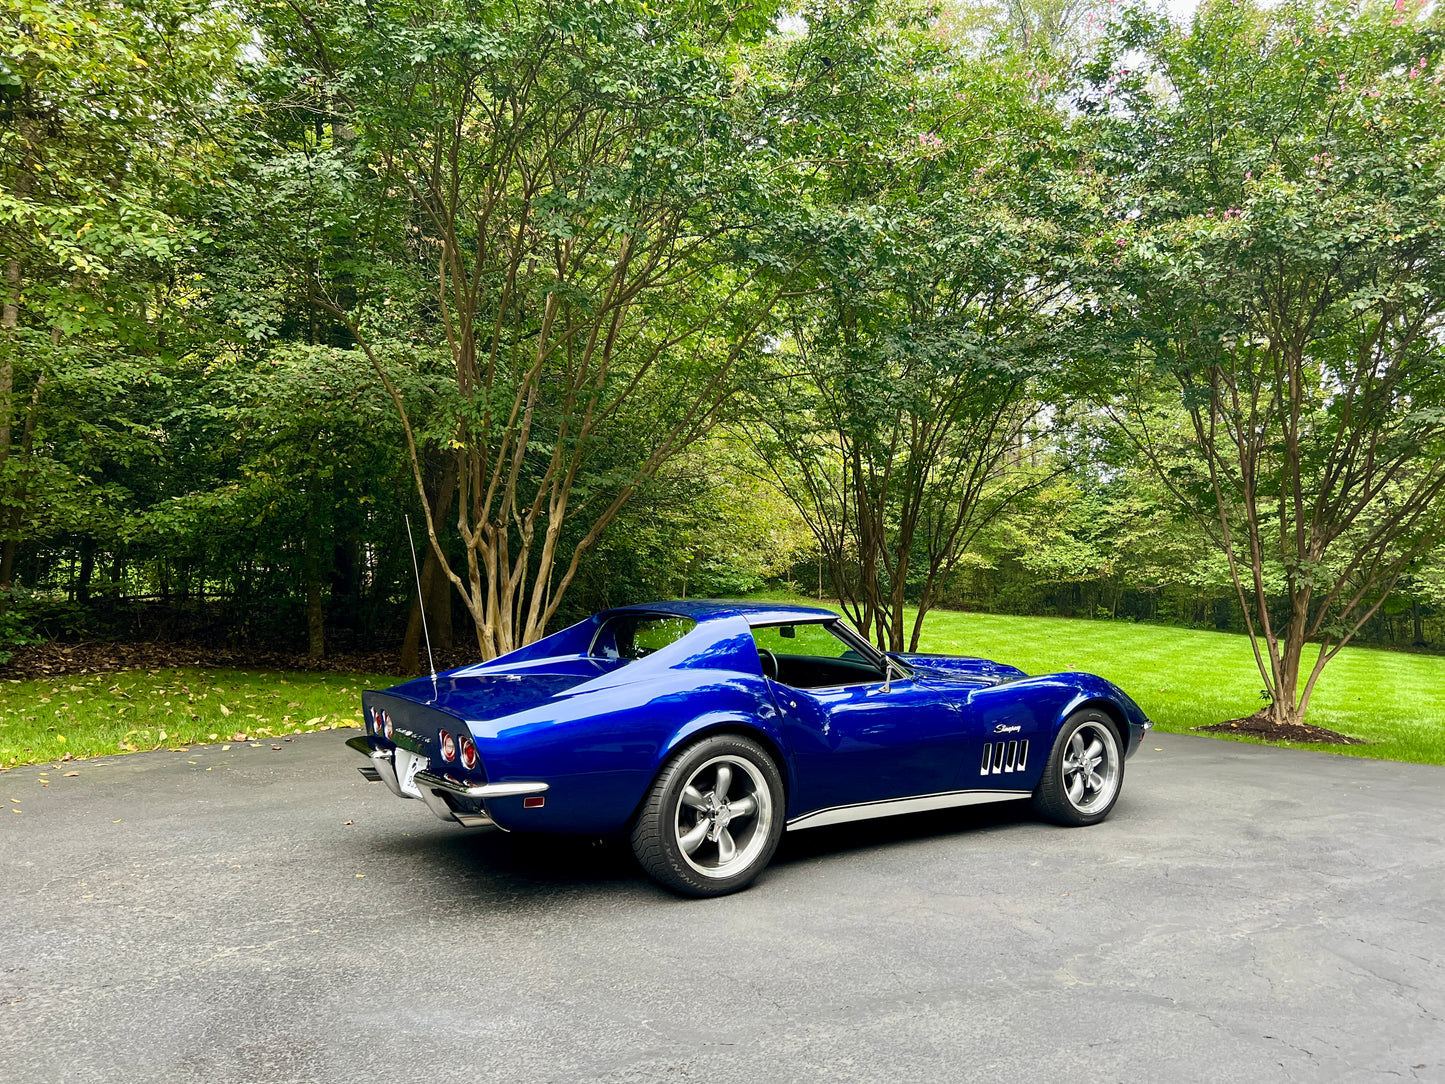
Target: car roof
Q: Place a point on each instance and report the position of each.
(756, 611)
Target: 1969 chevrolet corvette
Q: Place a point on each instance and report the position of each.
(704, 729)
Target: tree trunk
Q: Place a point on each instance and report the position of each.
(1419, 624)
(315, 611)
(315, 618)
(9, 321)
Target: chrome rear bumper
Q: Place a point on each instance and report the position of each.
(435, 788)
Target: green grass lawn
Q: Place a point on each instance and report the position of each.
(1181, 677)
(90, 715)
(1184, 678)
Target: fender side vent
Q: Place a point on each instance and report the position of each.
(1004, 757)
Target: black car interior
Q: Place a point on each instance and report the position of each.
(812, 672)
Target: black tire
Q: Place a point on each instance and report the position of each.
(1084, 804)
(671, 820)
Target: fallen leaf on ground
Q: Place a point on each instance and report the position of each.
(240, 737)
(225, 710)
(71, 775)
(348, 822)
(276, 747)
(361, 875)
(224, 748)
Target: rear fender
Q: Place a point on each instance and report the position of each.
(762, 729)
(600, 752)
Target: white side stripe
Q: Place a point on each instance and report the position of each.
(889, 807)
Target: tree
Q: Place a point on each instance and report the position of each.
(573, 180)
(906, 386)
(105, 110)
(1274, 245)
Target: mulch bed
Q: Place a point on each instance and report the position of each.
(48, 660)
(1260, 725)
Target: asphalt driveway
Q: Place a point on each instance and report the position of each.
(258, 915)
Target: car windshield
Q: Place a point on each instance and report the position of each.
(634, 636)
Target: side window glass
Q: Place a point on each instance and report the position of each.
(811, 656)
(635, 637)
(814, 641)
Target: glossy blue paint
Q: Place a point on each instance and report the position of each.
(598, 730)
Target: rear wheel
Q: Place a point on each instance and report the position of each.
(713, 818)
(1084, 771)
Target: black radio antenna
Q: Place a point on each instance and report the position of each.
(420, 600)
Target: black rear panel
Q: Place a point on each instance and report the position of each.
(417, 727)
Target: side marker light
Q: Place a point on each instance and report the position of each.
(537, 801)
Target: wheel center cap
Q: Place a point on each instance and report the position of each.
(723, 817)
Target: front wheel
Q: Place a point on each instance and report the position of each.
(713, 817)
(1084, 771)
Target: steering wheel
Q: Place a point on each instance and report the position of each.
(770, 663)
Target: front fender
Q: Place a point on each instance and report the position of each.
(1094, 690)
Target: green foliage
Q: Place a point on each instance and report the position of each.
(911, 366)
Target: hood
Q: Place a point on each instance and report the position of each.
(961, 668)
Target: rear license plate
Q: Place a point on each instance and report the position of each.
(407, 765)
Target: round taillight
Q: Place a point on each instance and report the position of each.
(386, 724)
(469, 753)
(449, 746)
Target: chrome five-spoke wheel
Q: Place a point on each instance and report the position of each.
(713, 817)
(1084, 772)
(1091, 767)
(724, 816)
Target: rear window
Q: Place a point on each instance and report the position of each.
(636, 636)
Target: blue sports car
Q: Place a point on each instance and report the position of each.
(703, 729)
